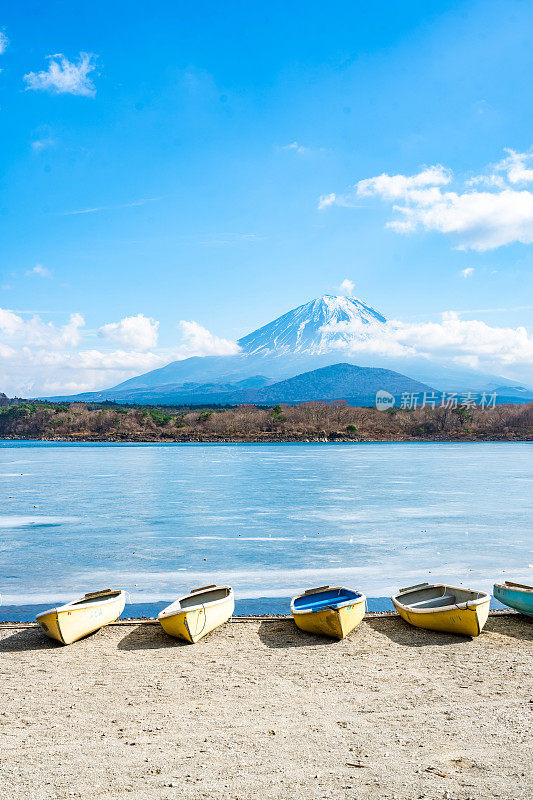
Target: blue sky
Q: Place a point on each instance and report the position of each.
(175, 173)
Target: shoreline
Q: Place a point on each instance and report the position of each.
(329, 421)
(271, 440)
(261, 709)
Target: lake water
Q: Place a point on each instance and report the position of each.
(270, 520)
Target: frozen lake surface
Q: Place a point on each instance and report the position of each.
(270, 520)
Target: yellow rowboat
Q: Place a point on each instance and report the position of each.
(77, 619)
(328, 610)
(443, 608)
(195, 614)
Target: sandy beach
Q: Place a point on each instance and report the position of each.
(259, 709)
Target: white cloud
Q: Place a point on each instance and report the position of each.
(39, 270)
(42, 144)
(500, 214)
(39, 359)
(346, 287)
(47, 334)
(38, 372)
(64, 76)
(478, 220)
(327, 200)
(10, 323)
(396, 187)
(490, 181)
(296, 147)
(467, 272)
(134, 333)
(4, 42)
(515, 167)
(342, 200)
(465, 341)
(198, 341)
(35, 332)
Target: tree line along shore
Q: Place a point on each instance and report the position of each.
(314, 421)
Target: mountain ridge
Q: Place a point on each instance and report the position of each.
(354, 384)
(339, 382)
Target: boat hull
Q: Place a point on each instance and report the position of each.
(518, 597)
(336, 623)
(464, 621)
(193, 624)
(68, 624)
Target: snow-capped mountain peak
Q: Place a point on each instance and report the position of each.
(314, 328)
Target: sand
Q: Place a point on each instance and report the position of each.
(261, 710)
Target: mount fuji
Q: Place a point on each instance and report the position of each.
(315, 335)
(308, 329)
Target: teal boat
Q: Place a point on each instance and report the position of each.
(515, 595)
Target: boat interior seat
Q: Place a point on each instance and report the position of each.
(435, 602)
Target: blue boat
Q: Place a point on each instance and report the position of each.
(515, 595)
(329, 610)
